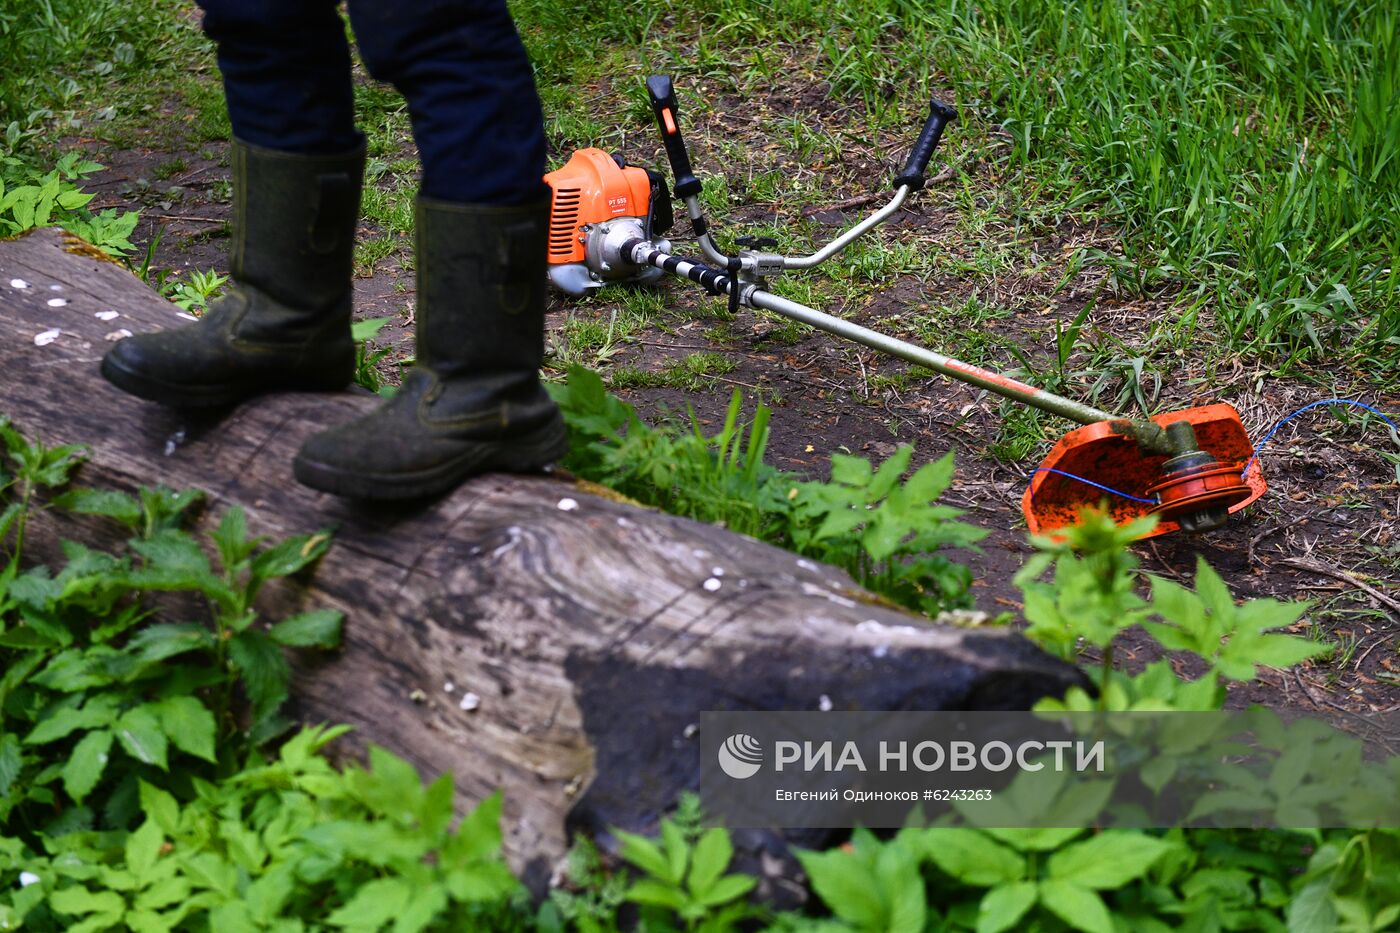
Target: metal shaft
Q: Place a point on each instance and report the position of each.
(644, 254)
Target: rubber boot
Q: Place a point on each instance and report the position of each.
(473, 402)
(285, 321)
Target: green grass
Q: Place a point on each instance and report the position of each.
(694, 372)
(1247, 150)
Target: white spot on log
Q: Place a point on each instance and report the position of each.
(174, 441)
(186, 315)
(512, 539)
(824, 704)
(470, 701)
(700, 553)
(418, 696)
(26, 878)
(119, 334)
(568, 505)
(107, 315)
(624, 522)
(880, 651)
(55, 288)
(448, 687)
(47, 337)
(716, 571)
(806, 564)
(690, 730)
(870, 625)
(18, 283)
(57, 302)
(713, 584)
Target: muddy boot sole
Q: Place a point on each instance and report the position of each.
(528, 453)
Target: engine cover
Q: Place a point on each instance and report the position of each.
(597, 193)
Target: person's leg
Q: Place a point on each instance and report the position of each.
(286, 71)
(470, 91)
(297, 162)
(474, 401)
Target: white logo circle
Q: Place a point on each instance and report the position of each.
(740, 756)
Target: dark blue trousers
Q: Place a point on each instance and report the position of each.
(459, 64)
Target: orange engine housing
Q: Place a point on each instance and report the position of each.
(591, 188)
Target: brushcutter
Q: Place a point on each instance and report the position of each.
(607, 224)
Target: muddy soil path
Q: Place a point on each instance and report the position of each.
(968, 267)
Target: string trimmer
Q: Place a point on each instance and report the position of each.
(607, 224)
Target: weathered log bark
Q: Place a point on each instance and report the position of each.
(589, 634)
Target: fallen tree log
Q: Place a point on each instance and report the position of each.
(589, 633)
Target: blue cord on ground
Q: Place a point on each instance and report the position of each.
(1326, 401)
(1395, 432)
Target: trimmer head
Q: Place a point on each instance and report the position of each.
(1192, 491)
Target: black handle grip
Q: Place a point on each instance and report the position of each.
(939, 116)
(663, 104)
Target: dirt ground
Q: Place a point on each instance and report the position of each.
(989, 274)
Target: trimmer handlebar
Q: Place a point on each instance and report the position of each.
(939, 116)
(663, 104)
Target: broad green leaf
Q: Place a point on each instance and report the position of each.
(188, 724)
(106, 502)
(268, 894)
(1108, 860)
(319, 628)
(971, 857)
(376, 903)
(1213, 592)
(231, 538)
(889, 473)
(263, 668)
(142, 849)
(422, 910)
(677, 852)
(85, 766)
(78, 901)
(1311, 908)
(902, 886)
(1284, 651)
(1041, 839)
(643, 853)
(850, 471)
(481, 882)
(658, 893)
(1079, 907)
(138, 730)
(161, 807)
(11, 762)
(479, 835)
(164, 640)
(289, 556)
(1003, 906)
(930, 480)
(366, 329)
(175, 558)
(846, 885)
(435, 812)
(709, 860)
(64, 721)
(726, 889)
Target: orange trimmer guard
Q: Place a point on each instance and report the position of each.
(1103, 453)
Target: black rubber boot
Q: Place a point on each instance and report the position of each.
(285, 322)
(473, 403)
